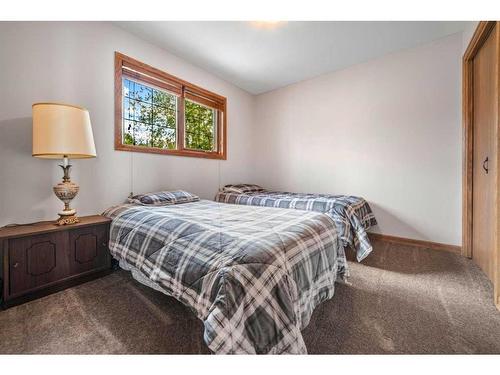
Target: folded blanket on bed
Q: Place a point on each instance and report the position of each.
(253, 275)
(352, 215)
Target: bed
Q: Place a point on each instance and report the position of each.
(253, 275)
(352, 215)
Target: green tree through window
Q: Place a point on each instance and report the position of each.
(200, 126)
(156, 112)
(150, 119)
(149, 116)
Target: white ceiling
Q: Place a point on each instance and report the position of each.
(260, 57)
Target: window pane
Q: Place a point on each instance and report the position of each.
(149, 116)
(127, 87)
(128, 133)
(164, 99)
(200, 126)
(142, 134)
(130, 109)
(136, 133)
(164, 137)
(144, 112)
(143, 93)
(164, 117)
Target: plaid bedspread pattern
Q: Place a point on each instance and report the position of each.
(352, 215)
(253, 275)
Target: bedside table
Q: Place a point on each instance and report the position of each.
(43, 258)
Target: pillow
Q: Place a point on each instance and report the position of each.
(163, 198)
(242, 188)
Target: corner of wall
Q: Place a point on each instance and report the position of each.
(467, 34)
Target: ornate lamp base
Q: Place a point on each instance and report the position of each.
(67, 218)
(66, 191)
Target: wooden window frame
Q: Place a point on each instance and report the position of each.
(185, 90)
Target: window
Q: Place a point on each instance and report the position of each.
(159, 113)
(149, 116)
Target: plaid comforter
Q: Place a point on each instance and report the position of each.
(352, 215)
(253, 275)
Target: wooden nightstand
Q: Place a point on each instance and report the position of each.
(43, 258)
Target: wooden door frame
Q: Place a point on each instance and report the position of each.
(481, 34)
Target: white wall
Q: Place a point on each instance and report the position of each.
(388, 130)
(73, 63)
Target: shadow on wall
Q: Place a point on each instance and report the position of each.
(15, 135)
(24, 181)
(387, 219)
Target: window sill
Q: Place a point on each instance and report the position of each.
(190, 153)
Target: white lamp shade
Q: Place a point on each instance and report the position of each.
(62, 130)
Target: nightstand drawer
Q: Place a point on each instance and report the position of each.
(37, 261)
(89, 249)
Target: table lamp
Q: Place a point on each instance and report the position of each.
(63, 131)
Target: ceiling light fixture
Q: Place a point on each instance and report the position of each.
(266, 24)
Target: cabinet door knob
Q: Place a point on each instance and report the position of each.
(105, 244)
(15, 265)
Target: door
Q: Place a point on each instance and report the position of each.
(485, 108)
(89, 249)
(37, 261)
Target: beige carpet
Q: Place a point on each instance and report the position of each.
(400, 300)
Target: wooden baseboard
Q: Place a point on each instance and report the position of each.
(419, 243)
